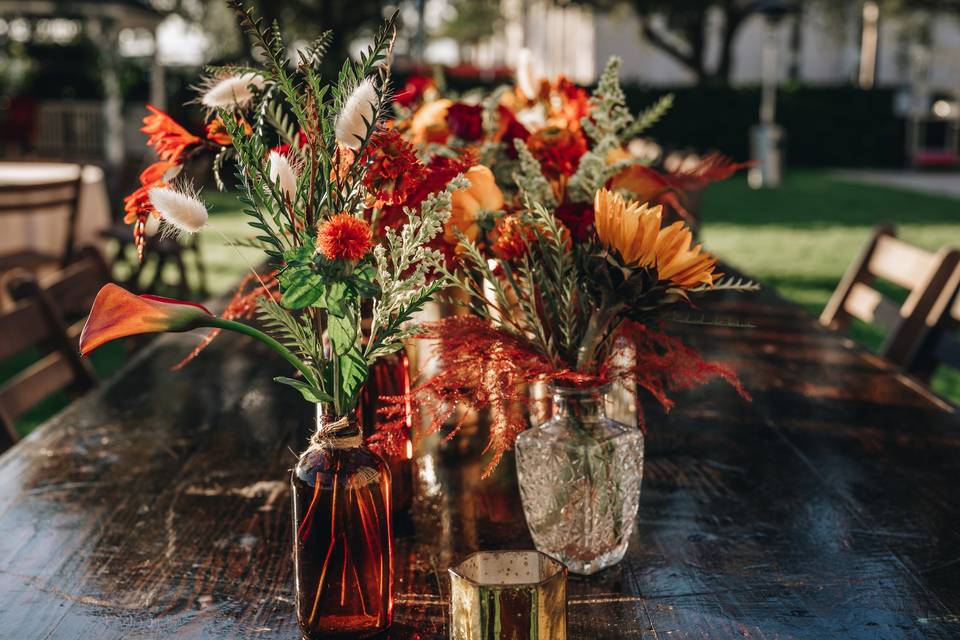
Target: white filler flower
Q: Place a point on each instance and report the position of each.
(234, 91)
(282, 170)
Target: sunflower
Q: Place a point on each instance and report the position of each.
(633, 230)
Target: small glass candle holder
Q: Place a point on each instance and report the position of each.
(508, 595)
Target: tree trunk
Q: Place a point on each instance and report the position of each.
(732, 21)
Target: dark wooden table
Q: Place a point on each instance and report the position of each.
(828, 508)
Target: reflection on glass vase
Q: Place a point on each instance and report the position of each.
(579, 476)
(342, 552)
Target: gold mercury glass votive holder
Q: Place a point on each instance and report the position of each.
(508, 595)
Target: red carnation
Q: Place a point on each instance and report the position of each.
(395, 172)
(344, 237)
(465, 121)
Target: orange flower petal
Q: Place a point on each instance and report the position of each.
(117, 313)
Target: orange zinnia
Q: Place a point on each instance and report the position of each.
(469, 204)
(166, 136)
(633, 230)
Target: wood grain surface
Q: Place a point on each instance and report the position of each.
(158, 506)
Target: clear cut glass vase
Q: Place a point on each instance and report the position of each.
(579, 476)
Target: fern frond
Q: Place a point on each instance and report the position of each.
(649, 117)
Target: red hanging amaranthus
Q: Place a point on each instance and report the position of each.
(485, 368)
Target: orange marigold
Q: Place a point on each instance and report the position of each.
(166, 136)
(344, 237)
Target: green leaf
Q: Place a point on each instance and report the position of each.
(309, 393)
(342, 332)
(300, 287)
(353, 373)
(336, 299)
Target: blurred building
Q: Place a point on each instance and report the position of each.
(817, 46)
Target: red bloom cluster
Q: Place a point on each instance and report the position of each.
(413, 90)
(578, 217)
(558, 150)
(510, 129)
(483, 367)
(171, 142)
(394, 172)
(574, 101)
(513, 237)
(344, 237)
(465, 121)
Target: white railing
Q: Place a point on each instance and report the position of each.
(70, 128)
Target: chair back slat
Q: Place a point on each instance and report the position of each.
(20, 328)
(38, 321)
(44, 377)
(940, 344)
(899, 262)
(869, 305)
(73, 289)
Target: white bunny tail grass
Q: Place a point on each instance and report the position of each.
(180, 208)
(230, 91)
(357, 112)
(282, 170)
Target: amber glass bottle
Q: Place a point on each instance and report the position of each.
(343, 547)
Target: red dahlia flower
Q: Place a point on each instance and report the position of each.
(395, 172)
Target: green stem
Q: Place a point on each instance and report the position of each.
(596, 333)
(287, 355)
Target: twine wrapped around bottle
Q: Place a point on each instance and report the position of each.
(342, 433)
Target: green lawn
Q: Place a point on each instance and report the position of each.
(800, 238)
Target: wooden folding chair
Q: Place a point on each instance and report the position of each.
(922, 273)
(34, 322)
(34, 199)
(940, 343)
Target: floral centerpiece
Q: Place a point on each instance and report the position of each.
(547, 306)
(557, 135)
(315, 167)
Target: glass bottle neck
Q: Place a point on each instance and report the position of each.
(341, 432)
(582, 404)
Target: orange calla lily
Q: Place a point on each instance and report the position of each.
(117, 313)
(467, 205)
